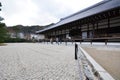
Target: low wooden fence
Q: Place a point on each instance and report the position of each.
(91, 40)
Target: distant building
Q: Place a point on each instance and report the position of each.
(25, 32)
(13, 34)
(96, 23)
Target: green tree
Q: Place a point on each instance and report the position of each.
(3, 30)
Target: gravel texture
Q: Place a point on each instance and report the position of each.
(35, 61)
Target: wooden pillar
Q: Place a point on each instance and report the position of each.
(88, 31)
(65, 34)
(69, 28)
(61, 37)
(97, 29)
(93, 31)
(108, 28)
(80, 30)
(55, 33)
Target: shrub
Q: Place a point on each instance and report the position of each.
(14, 40)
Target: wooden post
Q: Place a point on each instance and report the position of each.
(106, 42)
(91, 41)
(66, 42)
(80, 41)
(76, 51)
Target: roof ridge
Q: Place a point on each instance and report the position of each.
(83, 10)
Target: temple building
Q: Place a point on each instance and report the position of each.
(99, 22)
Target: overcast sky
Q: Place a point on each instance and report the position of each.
(40, 12)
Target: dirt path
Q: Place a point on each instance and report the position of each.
(107, 57)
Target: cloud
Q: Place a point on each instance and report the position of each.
(40, 12)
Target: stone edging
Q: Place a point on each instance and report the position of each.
(103, 74)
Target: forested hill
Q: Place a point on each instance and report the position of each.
(25, 29)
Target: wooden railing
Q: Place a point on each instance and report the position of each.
(91, 40)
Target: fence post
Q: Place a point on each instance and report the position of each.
(66, 42)
(91, 42)
(106, 42)
(76, 51)
(80, 41)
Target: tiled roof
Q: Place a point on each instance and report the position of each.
(95, 9)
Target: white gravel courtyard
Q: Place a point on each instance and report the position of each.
(35, 61)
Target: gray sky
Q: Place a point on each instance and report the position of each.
(40, 12)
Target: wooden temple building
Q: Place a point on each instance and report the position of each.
(100, 22)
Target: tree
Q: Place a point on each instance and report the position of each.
(3, 30)
(0, 10)
(0, 6)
